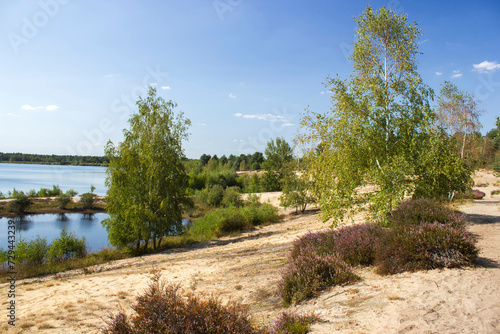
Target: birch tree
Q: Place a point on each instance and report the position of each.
(146, 178)
(378, 124)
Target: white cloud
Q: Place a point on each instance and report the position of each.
(109, 76)
(153, 84)
(266, 117)
(165, 87)
(322, 92)
(439, 73)
(456, 74)
(28, 107)
(231, 95)
(202, 124)
(486, 66)
(51, 107)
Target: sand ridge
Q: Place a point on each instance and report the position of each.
(246, 268)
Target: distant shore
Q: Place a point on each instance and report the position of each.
(48, 205)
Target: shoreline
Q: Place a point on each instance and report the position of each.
(47, 205)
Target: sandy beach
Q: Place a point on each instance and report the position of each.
(246, 268)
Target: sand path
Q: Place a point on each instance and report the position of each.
(246, 269)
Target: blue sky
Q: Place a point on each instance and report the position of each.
(243, 71)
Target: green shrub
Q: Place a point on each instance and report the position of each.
(67, 246)
(224, 221)
(72, 192)
(20, 203)
(309, 273)
(87, 200)
(232, 197)
(44, 192)
(253, 199)
(496, 165)
(291, 323)
(63, 200)
(424, 247)
(163, 309)
(31, 252)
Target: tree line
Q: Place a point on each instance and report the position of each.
(53, 159)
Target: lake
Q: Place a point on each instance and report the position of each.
(26, 177)
(49, 226)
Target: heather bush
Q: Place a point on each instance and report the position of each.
(162, 309)
(308, 273)
(355, 244)
(417, 211)
(425, 246)
(291, 323)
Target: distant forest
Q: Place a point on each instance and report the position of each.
(75, 160)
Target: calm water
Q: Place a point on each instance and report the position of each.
(49, 226)
(26, 177)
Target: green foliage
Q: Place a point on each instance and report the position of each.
(44, 192)
(253, 199)
(72, 192)
(270, 181)
(224, 221)
(163, 309)
(32, 253)
(232, 197)
(87, 200)
(292, 323)
(278, 154)
(297, 188)
(146, 177)
(53, 159)
(20, 202)
(66, 246)
(458, 113)
(496, 165)
(63, 200)
(440, 172)
(377, 132)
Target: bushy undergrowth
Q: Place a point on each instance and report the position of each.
(66, 246)
(163, 309)
(426, 246)
(20, 203)
(355, 243)
(310, 272)
(417, 211)
(87, 200)
(292, 323)
(422, 235)
(224, 221)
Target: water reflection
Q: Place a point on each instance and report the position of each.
(49, 226)
(62, 217)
